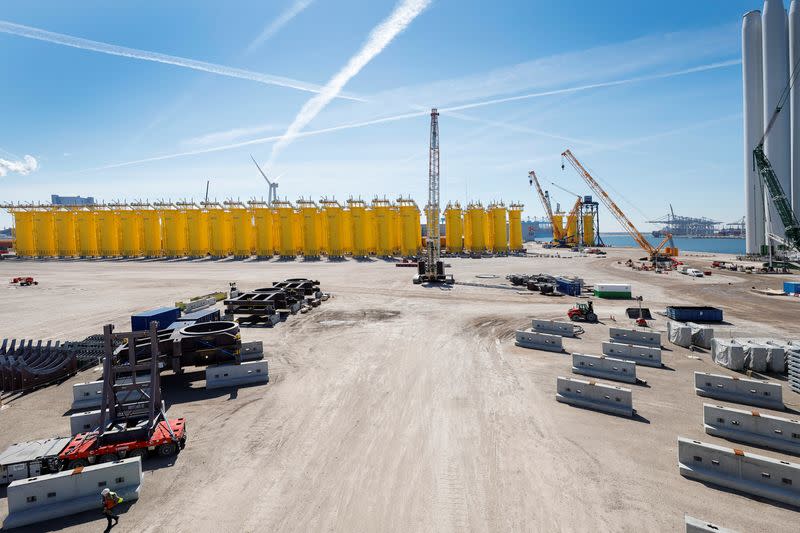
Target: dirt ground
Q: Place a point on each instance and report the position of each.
(396, 407)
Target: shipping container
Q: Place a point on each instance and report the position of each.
(163, 315)
(694, 314)
(570, 287)
(791, 287)
(620, 291)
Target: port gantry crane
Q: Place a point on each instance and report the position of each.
(558, 231)
(656, 253)
(431, 269)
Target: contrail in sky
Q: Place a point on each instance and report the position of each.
(122, 51)
(413, 114)
(380, 37)
(297, 7)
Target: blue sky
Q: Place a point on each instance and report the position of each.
(646, 94)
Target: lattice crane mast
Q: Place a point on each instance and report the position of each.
(558, 232)
(655, 252)
(431, 269)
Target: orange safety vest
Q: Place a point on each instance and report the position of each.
(110, 501)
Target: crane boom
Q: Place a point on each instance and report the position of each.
(778, 197)
(557, 233)
(624, 221)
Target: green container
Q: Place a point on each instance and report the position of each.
(617, 295)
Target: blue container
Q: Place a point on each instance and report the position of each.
(205, 315)
(568, 286)
(694, 314)
(163, 315)
(791, 287)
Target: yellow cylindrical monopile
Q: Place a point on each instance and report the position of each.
(334, 224)
(86, 234)
(467, 231)
(264, 231)
(24, 243)
(453, 228)
(347, 231)
(572, 229)
(198, 232)
(385, 227)
(286, 219)
(515, 227)
(408, 227)
(131, 232)
(312, 228)
(497, 220)
(108, 240)
(297, 231)
(152, 245)
(478, 228)
(588, 229)
(244, 232)
(175, 232)
(360, 227)
(66, 241)
(558, 222)
(44, 233)
(220, 223)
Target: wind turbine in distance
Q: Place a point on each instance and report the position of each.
(272, 196)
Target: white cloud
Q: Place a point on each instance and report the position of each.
(26, 166)
(379, 38)
(112, 49)
(296, 7)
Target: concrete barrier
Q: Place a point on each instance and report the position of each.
(84, 421)
(739, 390)
(752, 427)
(596, 396)
(551, 327)
(694, 525)
(632, 336)
(600, 366)
(641, 355)
(539, 341)
(51, 496)
(90, 394)
(735, 469)
(248, 373)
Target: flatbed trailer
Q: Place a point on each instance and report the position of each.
(168, 438)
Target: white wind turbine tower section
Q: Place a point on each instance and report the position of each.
(794, 59)
(775, 53)
(272, 195)
(752, 83)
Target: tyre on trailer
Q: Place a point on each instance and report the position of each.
(77, 463)
(166, 449)
(108, 458)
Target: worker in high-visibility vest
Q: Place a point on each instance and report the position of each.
(110, 500)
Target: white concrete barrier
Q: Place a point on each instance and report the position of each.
(755, 356)
(551, 327)
(247, 373)
(694, 525)
(632, 336)
(90, 394)
(84, 421)
(539, 341)
(641, 355)
(739, 390)
(735, 469)
(600, 366)
(596, 396)
(752, 427)
(51, 496)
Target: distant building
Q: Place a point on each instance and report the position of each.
(71, 200)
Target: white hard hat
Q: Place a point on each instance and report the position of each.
(106, 492)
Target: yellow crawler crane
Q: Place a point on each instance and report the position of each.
(656, 253)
